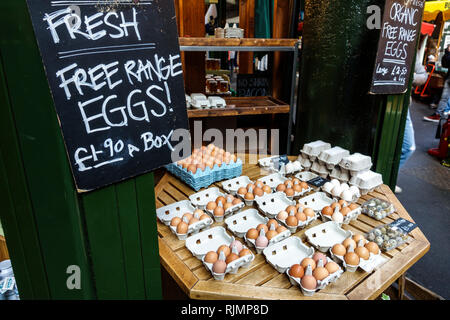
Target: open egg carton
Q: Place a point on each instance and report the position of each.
(178, 210)
(280, 164)
(331, 157)
(326, 235)
(316, 201)
(282, 255)
(273, 180)
(356, 163)
(305, 176)
(313, 149)
(267, 235)
(356, 252)
(341, 212)
(232, 186)
(252, 192)
(244, 220)
(388, 237)
(320, 271)
(296, 217)
(366, 181)
(270, 204)
(343, 191)
(377, 208)
(293, 188)
(214, 240)
(215, 203)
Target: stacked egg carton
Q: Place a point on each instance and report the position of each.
(309, 154)
(202, 179)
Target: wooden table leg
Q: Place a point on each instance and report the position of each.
(401, 287)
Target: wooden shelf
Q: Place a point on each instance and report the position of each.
(240, 106)
(246, 42)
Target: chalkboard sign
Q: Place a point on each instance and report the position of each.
(253, 85)
(405, 225)
(115, 74)
(400, 29)
(317, 182)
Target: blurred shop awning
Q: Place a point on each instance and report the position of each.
(427, 28)
(432, 9)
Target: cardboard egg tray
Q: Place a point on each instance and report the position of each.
(306, 176)
(273, 180)
(313, 149)
(326, 235)
(232, 186)
(320, 169)
(377, 208)
(250, 202)
(331, 157)
(340, 174)
(321, 284)
(232, 267)
(316, 201)
(205, 178)
(279, 237)
(242, 221)
(270, 204)
(366, 181)
(305, 162)
(352, 215)
(282, 255)
(301, 224)
(177, 209)
(356, 163)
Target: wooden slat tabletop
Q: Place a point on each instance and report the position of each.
(260, 280)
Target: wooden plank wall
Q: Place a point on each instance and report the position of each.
(4, 255)
(246, 22)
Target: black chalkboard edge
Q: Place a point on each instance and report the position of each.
(375, 93)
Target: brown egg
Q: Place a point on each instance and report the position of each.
(219, 211)
(288, 182)
(203, 217)
(281, 187)
(231, 257)
(309, 282)
(319, 255)
(296, 271)
(308, 261)
(198, 213)
(182, 227)
(362, 252)
(244, 252)
(211, 205)
(296, 181)
(249, 196)
(292, 221)
(227, 205)
(320, 273)
(175, 221)
(349, 241)
(221, 199)
(251, 185)
(262, 226)
(304, 185)
(343, 203)
(258, 192)
(358, 237)
(242, 190)
(327, 211)
(201, 166)
(291, 208)
(372, 247)
(339, 250)
(309, 212)
(267, 189)
(345, 211)
(252, 233)
(192, 168)
(297, 188)
(301, 216)
(351, 258)
(193, 220)
(299, 205)
(289, 192)
(211, 257)
(185, 165)
(219, 267)
(282, 215)
(353, 206)
(236, 201)
(272, 222)
(332, 267)
(334, 205)
(226, 250)
(281, 229)
(271, 233)
(187, 215)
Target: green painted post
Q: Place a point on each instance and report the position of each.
(110, 234)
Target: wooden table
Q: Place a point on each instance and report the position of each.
(262, 281)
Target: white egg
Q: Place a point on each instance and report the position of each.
(337, 190)
(347, 195)
(345, 186)
(355, 191)
(297, 165)
(336, 182)
(289, 167)
(327, 187)
(338, 217)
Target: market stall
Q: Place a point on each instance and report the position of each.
(261, 279)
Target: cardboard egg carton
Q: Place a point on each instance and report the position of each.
(320, 169)
(366, 181)
(321, 284)
(249, 202)
(233, 185)
(178, 209)
(316, 201)
(305, 162)
(282, 255)
(326, 235)
(306, 176)
(351, 216)
(340, 174)
(201, 199)
(241, 222)
(342, 191)
(313, 149)
(273, 180)
(270, 204)
(209, 240)
(279, 237)
(300, 225)
(331, 157)
(356, 163)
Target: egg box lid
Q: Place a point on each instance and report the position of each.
(333, 156)
(326, 235)
(167, 213)
(271, 203)
(356, 162)
(209, 240)
(367, 180)
(192, 228)
(314, 148)
(273, 180)
(233, 185)
(242, 221)
(306, 176)
(282, 255)
(316, 201)
(198, 96)
(201, 199)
